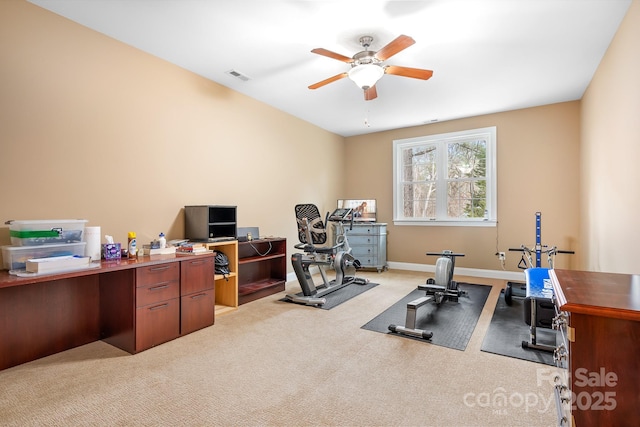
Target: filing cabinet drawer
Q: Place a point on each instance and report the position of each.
(197, 311)
(196, 275)
(157, 273)
(156, 292)
(157, 323)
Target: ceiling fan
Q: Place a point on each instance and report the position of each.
(367, 66)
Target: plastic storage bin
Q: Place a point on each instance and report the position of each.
(15, 257)
(46, 232)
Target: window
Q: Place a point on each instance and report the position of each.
(446, 179)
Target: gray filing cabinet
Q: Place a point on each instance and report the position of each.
(368, 243)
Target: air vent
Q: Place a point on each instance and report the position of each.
(238, 75)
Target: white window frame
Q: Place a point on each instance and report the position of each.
(490, 220)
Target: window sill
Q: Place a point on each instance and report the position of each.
(447, 223)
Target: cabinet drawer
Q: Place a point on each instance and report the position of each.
(369, 262)
(157, 323)
(366, 231)
(196, 275)
(157, 292)
(362, 240)
(196, 311)
(157, 273)
(364, 251)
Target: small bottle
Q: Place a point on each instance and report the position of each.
(132, 245)
(162, 240)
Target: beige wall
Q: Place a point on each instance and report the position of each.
(610, 154)
(538, 164)
(92, 128)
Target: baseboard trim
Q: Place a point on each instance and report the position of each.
(462, 271)
(517, 276)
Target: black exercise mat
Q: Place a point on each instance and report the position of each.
(341, 295)
(452, 323)
(508, 329)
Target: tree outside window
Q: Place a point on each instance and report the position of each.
(446, 178)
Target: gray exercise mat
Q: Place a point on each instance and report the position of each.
(336, 298)
(508, 329)
(452, 323)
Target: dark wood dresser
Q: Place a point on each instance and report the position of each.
(600, 318)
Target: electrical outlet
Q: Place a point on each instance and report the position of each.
(501, 256)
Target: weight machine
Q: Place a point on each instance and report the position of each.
(539, 309)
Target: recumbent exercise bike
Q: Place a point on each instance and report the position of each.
(312, 235)
(442, 288)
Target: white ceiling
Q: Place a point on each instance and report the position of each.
(487, 55)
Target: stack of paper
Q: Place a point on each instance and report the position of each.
(57, 264)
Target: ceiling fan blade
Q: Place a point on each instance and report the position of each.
(333, 55)
(399, 44)
(370, 93)
(329, 80)
(415, 73)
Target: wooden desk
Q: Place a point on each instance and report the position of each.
(603, 325)
(131, 304)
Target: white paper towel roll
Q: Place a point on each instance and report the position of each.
(92, 237)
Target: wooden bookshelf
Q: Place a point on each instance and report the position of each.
(226, 299)
(262, 268)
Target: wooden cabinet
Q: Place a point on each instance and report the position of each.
(226, 286)
(42, 318)
(368, 242)
(262, 268)
(133, 304)
(157, 305)
(196, 294)
(600, 349)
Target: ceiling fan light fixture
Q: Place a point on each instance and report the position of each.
(366, 75)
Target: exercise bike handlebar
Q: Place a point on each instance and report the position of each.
(340, 215)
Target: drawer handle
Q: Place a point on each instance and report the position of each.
(161, 268)
(197, 262)
(199, 296)
(560, 353)
(161, 286)
(559, 321)
(158, 307)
